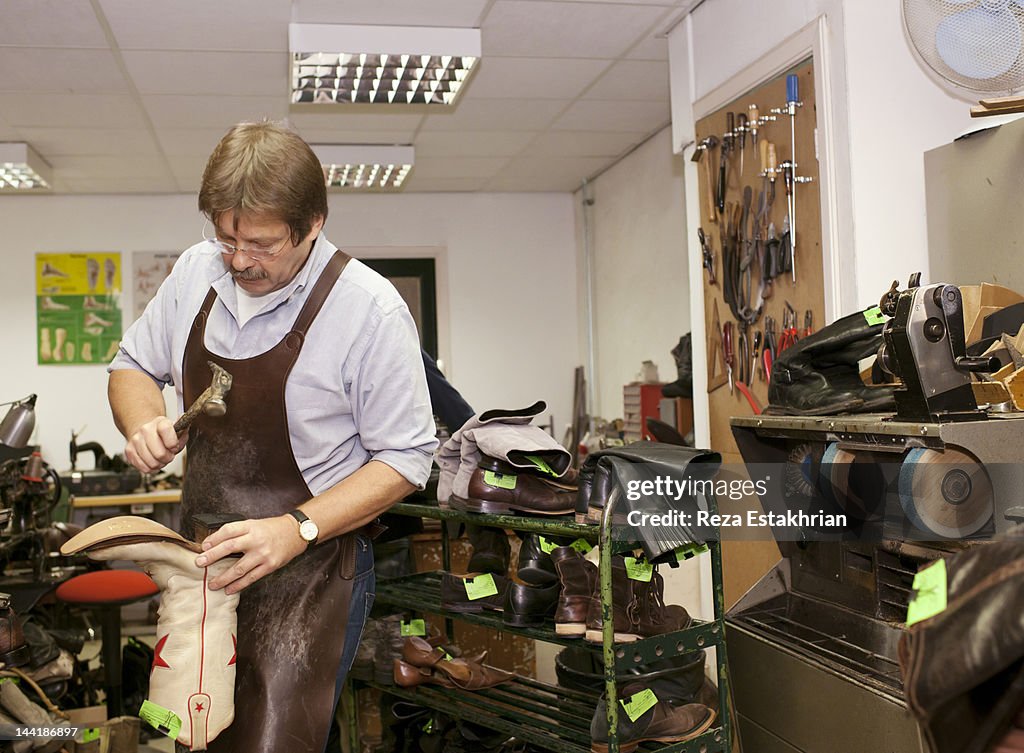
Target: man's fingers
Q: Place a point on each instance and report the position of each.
(165, 430)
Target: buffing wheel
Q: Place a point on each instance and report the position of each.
(946, 493)
(856, 482)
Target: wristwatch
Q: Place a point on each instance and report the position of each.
(307, 528)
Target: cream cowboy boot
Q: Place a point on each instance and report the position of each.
(193, 673)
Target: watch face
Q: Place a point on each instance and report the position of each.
(308, 530)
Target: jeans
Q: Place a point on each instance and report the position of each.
(363, 591)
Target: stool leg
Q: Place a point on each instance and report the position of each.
(110, 620)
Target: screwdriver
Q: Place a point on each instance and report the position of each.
(753, 123)
(727, 347)
(742, 128)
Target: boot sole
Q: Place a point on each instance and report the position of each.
(634, 744)
(570, 629)
(597, 636)
(502, 508)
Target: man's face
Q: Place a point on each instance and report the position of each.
(263, 232)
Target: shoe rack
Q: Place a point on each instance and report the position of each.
(549, 716)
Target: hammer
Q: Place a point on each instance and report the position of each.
(210, 402)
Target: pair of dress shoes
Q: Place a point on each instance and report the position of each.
(422, 663)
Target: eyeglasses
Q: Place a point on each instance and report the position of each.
(255, 251)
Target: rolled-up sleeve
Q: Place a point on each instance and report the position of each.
(390, 402)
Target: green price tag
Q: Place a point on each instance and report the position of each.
(930, 593)
(874, 316)
(164, 720)
(15, 680)
(90, 734)
(636, 705)
(582, 546)
(542, 465)
(500, 480)
(547, 546)
(687, 551)
(413, 627)
(639, 569)
(480, 587)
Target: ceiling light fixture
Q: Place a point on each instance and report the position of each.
(22, 169)
(365, 167)
(335, 64)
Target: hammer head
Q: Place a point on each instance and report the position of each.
(219, 387)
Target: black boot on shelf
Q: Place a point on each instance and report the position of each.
(535, 566)
(491, 550)
(530, 606)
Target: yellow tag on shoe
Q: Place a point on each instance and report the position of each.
(542, 465)
(582, 546)
(639, 703)
(547, 546)
(412, 627)
(930, 593)
(874, 316)
(687, 551)
(480, 587)
(164, 720)
(638, 569)
(500, 480)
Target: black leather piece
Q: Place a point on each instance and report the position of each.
(959, 663)
(491, 550)
(679, 678)
(535, 565)
(530, 605)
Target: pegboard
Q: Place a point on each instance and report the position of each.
(807, 292)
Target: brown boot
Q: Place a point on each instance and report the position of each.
(654, 616)
(665, 722)
(627, 596)
(578, 578)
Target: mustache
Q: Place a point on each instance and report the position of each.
(249, 275)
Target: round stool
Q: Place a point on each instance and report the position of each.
(106, 591)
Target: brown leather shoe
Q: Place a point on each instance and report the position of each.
(442, 669)
(578, 578)
(643, 612)
(507, 493)
(14, 650)
(665, 722)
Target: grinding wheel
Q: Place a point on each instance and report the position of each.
(855, 481)
(946, 493)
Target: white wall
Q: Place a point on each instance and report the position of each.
(640, 279)
(508, 267)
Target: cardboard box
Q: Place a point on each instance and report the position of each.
(97, 734)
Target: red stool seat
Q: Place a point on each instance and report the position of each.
(107, 588)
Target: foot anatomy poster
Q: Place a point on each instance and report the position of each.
(78, 307)
(149, 269)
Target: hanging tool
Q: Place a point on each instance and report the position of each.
(742, 133)
(742, 354)
(723, 166)
(754, 351)
(773, 171)
(727, 348)
(702, 153)
(768, 354)
(808, 323)
(716, 356)
(792, 103)
(789, 331)
(708, 255)
(787, 177)
(754, 124)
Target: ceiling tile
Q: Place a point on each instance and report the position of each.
(458, 167)
(189, 142)
(632, 80)
(472, 143)
(10, 134)
(559, 29)
(126, 185)
(108, 166)
(654, 47)
(89, 141)
(526, 78)
(237, 73)
(199, 25)
(584, 143)
(205, 111)
(331, 136)
(443, 184)
(29, 69)
(188, 169)
(51, 23)
(457, 13)
(354, 118)
(496, 114)
(546, 174)
(82, 110)
(603, 115)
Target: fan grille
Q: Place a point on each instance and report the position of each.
(974, 44)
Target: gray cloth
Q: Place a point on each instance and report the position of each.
(502, 434)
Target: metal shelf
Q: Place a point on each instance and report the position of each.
(422, 593)
(551, 717)
(555, 525)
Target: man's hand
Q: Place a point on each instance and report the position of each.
(266, 545)
(153, 445)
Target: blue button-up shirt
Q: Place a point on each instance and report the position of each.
(357, 391)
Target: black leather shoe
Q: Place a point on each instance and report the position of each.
(529, 606)
(455, 596)
(491, 550)
(535, 565)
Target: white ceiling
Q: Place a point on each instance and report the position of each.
(130, 96)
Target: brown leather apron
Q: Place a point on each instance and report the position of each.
(291, 623)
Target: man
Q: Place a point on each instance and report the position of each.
(328, 423)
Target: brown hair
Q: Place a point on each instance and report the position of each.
(265, 169)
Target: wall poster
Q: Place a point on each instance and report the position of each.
(78, 307)
(149, 269)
